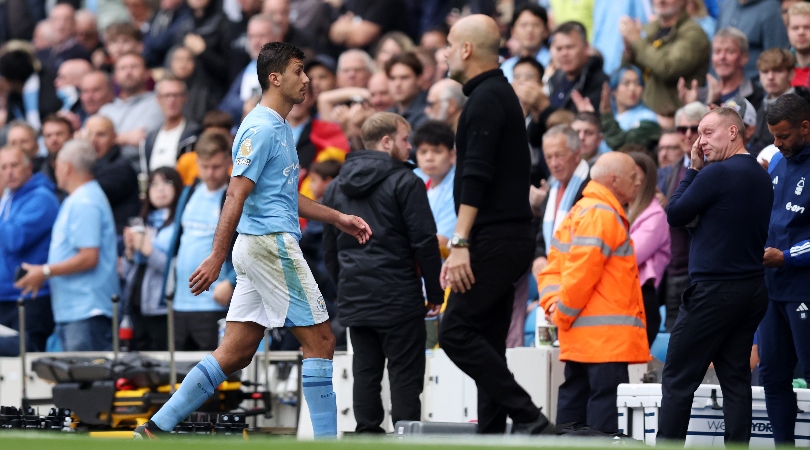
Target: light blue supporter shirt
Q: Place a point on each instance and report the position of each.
(442, 206)
(85, 220)
(264, 151)
(200, 218)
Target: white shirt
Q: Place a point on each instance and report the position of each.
(164, 152)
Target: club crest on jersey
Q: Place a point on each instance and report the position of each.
(799, 186)
(246, 148)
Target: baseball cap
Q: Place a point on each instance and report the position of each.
(744, 108)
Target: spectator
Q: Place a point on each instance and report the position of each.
(17, 23)
(163, 29)
(354, 69)
(56, 130)
(776, 69)
(760, 20)
(29, 91)
(385, 316)
(798, 31)
(194, 225)
(205, 33)
(112, 171)
(592, 144)
(746, 112)
(434, 38)
(44, 37)
(786, 4)
(569, 176)
(315, 139)
(65, 45)
(322, 75)
(576, 70)
(391, 44)
(379, 92)
(436, 157)
(187, 162)
(203, 93)
(245, 86)
(669, 152)
(444, 102)
(625, 118)
(528, 85)
(314, 16)
(24, 136)
(144, 266)
(593, 296)
(95, 91)
(677, 280)
(651, 243)
(81, 266)
(119, 40)
(87, 30)
(136, 111)
(674, 47)
(67, 82)
(26, 218)
(238, 56)
(530, 31)
(362, 22)
(279, 11)
(606, 37)
(403, 72)
(698, 12)
(177, 135)
(428, 60)
(141, 13)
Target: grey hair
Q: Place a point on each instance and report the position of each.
(693, 112)
(79, 153)
(571, 137)
(23, 124)
(267, 18)
(25, 157)
(735, 35)
(453, 91)
(369, 63)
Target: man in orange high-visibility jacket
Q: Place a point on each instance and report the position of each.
(591, 291)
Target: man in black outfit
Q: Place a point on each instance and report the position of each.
(492, 245)
(379, 284)
(727, 206)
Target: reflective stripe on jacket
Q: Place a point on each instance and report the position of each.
(592, 277)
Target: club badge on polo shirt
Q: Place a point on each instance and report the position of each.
(245, 149)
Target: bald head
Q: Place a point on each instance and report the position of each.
(617, 172)
(70, 73)
(473, 47)
(101, 133)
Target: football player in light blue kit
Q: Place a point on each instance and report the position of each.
(274, 286)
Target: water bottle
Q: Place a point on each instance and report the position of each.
(544, 332)
(125, 333)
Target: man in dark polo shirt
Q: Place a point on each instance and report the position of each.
(492, 245)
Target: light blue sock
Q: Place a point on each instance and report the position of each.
(317, 383)
(198, 385)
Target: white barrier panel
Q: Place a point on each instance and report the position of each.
(638, 406)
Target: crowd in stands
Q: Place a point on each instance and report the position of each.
(117, 122)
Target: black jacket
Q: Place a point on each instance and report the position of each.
(188, 137)
(380, 283)
(119, 182)
(589, 84)
(493, 161)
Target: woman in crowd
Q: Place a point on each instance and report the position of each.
(625, 119)
(146, 244)
(390, 44)
(204, 94)
(650, 234)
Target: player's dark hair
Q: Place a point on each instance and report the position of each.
(791, 108)
(434, 132)
(274, 58)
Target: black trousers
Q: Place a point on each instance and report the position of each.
(149, 333)
(716, 323)
(403, 346)
(588, 395)
(475, 324)
(197, 331)
(651, 311)
(38, 320)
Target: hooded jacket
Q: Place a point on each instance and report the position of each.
(789, 229)
(25, 231)
(380, 283)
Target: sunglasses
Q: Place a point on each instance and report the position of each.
(683, 130)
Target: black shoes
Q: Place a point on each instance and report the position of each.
(148, 431)
(541, 425)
